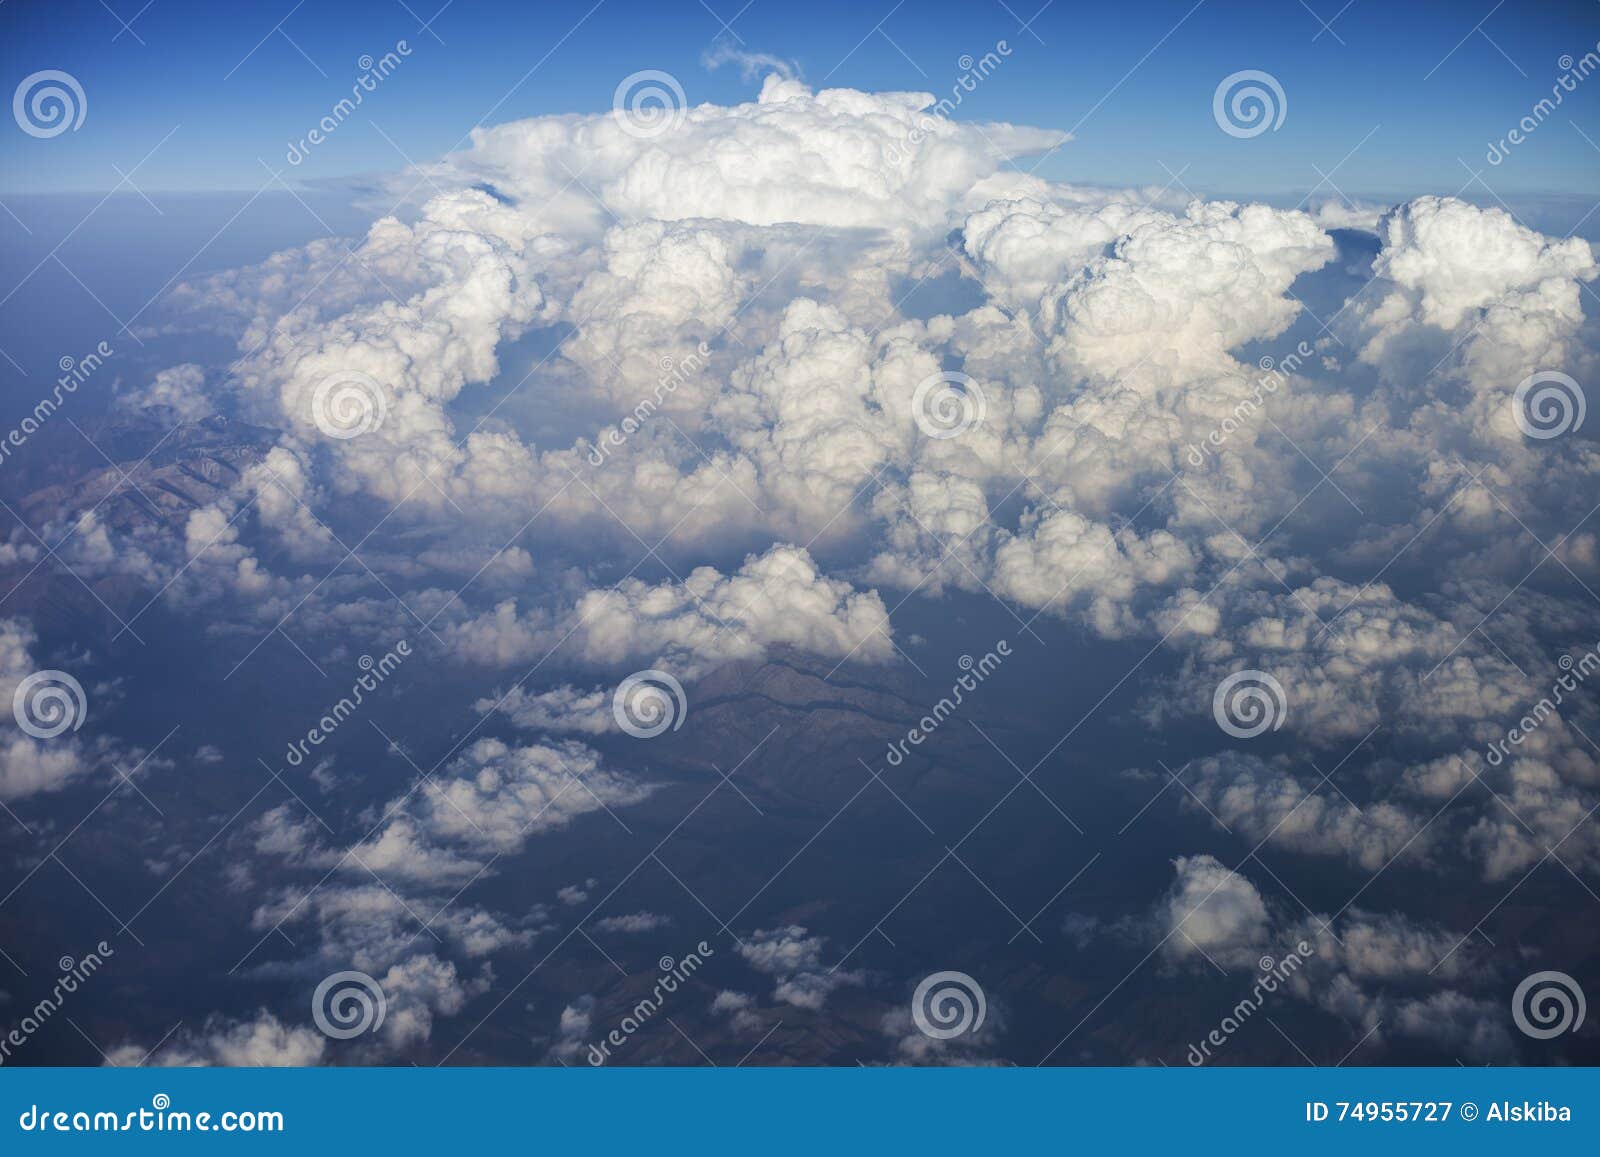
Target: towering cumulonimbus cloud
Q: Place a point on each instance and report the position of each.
(753, 249)
(619, 399)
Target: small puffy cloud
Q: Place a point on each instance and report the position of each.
(912, 1046)
(572, 1029)
(777, 598)
(16, 637)
(30, 766)
(634, 923)
(418, 990)
(1455, 258)
(1474, 1026)
(562, 708)
(1382, 972)
(261, 1042)
(370, 926)
(739, 1008)
(492, 801)
(1262, 800)
(794, 958)
(1063, 557)
(1213, 912)
(573, 895)
(181, 389)
(1175, 295)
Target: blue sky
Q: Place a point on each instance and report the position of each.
(1396, 96)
